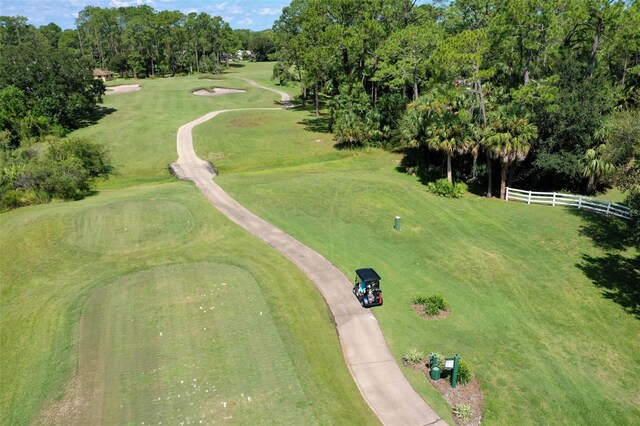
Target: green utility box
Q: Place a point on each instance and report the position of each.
(435, 373)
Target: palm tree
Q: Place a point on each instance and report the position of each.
(595, 167)
(509, 139)
(439, 120)
(449, 135)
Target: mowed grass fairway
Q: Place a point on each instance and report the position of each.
(166, 345)
(87, 287)
(140, 127)
(547, 344)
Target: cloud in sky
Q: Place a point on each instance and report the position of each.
(120, 3)
(270, 11)
(252, 14)
(246, 22)
(229, 8)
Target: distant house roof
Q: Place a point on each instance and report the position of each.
(101, 73)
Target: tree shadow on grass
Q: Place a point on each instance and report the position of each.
(321, 124)
(618, 277)
(427, 166)
(96, 116)
(617, 272)
(606, 232)
(348, 146)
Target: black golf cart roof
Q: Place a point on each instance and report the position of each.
(367, 274)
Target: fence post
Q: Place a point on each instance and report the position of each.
(608, 207)
(529, 199)
(553, 203)
(580, 202)
(507, 196)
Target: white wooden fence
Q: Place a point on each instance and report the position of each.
(560, 199)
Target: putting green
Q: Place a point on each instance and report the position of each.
(129, 225)
(182, 344)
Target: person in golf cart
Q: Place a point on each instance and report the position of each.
(367, 287)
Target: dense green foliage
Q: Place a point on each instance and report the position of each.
(413, 356)
(447, 189)
(432, 305)
(60, 168)
(524, 84)
(462, 412)
(139, 40)
(464, 373)
(45, 89)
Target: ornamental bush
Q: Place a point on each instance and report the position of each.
(447, 189)
(419, 300)
(462, 412)
(414, 356)
(431, 305)
(464, 373)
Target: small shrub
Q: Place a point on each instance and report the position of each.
(9, 200)
(464, 373)
(432, 305)
(462, 412)
(435, 304)
(414, 356)
(431, 310)
(419, 300)
(446, 189)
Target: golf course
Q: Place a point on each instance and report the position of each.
(143, 304)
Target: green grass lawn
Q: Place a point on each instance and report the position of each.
(613, 195)
(168, 343)
(140, 127)
(543, 302)
(87, 287)
(539, 311)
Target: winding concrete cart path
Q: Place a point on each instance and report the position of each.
(370, 362)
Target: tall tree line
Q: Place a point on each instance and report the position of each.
(516, 90)
(139, 40)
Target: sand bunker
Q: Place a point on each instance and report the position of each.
(218, 91)
(124, 88)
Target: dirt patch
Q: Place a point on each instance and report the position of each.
(68, 409)
(469, 393)
(246, 122)
(218, 91)
(419, 309)
(124, 88)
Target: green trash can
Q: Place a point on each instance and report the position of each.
(435, 373)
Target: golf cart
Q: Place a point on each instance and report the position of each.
(367, 287)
